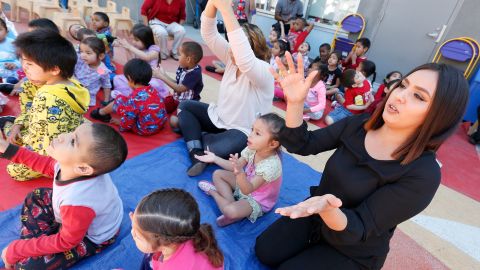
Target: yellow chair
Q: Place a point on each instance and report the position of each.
(460, 50)
(477, 58)
(45, 9)
(121, 21)
(65, 19)
(13, 8)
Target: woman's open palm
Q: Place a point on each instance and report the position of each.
(295, 86)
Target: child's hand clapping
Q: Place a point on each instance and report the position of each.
(159, 72)
(236, 164)
(121, 42)
(209, 157)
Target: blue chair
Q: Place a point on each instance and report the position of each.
(353, 24)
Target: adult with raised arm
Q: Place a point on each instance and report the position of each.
(246, 89)
(382, 173)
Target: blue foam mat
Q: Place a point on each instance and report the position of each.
(165, 167)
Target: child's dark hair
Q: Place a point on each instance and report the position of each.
(109, 150)
(275, 124)
(102, 16)
(308, 44)
(97, 46)
(304, 21)
(323, 71)
(348, 78)
(338, 54)
(3, 24)
(138, 71)
(369, 69)
(326, 45)
(276, 30)
(284, 46)
(43, 23)
(171, 216)
(193, 49)
(48, 49)
(364, 41)
(144, 34)
(390, 74)
(82, 32)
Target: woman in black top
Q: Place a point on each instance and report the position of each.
(383, 171)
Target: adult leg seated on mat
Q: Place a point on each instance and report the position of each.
(193, 119)
(223, 144)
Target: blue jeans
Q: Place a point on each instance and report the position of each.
(64, 4)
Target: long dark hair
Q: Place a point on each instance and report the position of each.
(171, 216)
(257, 41)
(444, 115)
(144, 34)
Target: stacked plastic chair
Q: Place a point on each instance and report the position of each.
(352, 24)
(462, 49)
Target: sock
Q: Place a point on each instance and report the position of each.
(194, 144)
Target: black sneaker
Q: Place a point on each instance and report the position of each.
(6, 88)
(197, 166)
(210, 68)
(4, 120)
(95, 114)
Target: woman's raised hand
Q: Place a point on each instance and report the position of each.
(312, 206)
(294, 85)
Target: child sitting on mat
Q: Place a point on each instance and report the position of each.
(91, 71)
(166, 226)
(248, 186)
(188, 82)
(54, 103)
(142, 47)
(143, 111)
(82, 214)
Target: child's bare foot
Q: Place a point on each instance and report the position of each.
(223, 221)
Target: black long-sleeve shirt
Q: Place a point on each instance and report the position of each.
(377, 195)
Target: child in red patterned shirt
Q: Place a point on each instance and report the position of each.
(143, 111)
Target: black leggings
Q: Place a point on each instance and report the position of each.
(287, 244)
(195, 124)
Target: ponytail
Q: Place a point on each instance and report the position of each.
(204, 241)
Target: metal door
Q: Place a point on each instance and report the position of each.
(407, 33)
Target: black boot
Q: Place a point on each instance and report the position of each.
(197, 166)
(6, 88)
(95, 114)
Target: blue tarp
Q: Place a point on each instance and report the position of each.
(165, 167)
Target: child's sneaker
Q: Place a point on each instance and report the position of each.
(95, 114)
(206, 186)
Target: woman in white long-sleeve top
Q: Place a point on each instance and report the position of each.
(246, 89)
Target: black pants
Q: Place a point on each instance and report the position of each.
(195, 124)
(288, 244)
(38, 219)
(476, 135)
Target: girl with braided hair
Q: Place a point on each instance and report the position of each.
(166, 226)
